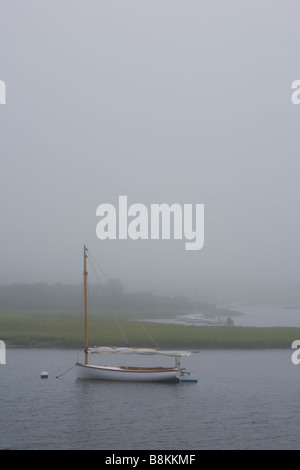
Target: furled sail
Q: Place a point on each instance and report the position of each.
(148, 351)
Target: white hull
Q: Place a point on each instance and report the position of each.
(127, 374)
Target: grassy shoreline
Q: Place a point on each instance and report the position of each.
(65, 330)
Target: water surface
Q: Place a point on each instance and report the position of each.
(243, 400)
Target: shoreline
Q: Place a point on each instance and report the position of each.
(199, 338)
(40, 330)
(198, 349)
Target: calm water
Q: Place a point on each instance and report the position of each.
(243, 400)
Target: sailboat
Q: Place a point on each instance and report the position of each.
(127, 373)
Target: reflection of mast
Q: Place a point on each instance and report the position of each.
(85, 306)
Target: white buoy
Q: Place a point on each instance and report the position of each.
(44, 375)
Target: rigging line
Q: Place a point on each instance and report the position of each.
(95, 272)
(97, 276)
(125, 339)
(80, 315)
(90, 329)
(95, 261)
(91, 263)
(60, 375)
(148, 334)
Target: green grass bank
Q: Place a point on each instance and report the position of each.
(24, 328)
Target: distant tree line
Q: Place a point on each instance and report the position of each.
(110, 297)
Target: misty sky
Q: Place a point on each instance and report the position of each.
(162, 101)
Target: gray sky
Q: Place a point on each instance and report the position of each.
(162, 101)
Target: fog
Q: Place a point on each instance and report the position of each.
(164, 102)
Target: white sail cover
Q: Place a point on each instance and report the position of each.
(148, 351)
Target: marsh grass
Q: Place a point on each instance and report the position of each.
(65, 329)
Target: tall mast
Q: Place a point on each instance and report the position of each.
(85, 306)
